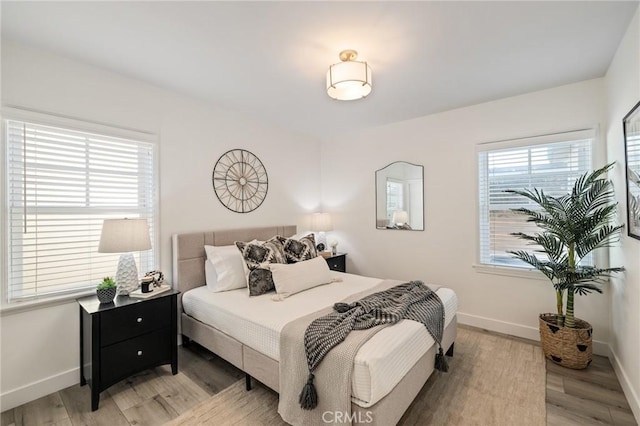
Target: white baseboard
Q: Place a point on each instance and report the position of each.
(629, 392)
(518, 330)
(35, 390)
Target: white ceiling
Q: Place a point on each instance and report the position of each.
(269, 59)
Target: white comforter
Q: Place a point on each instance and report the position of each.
(257, 321)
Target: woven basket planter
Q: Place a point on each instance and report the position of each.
(569, 347)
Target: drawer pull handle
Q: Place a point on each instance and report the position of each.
(139, 319)
(139, 353)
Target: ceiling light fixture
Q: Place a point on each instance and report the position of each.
(349, 79)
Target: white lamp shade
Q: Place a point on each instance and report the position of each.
(124, 235)
(321, 222)
(400, 216)
(349, 80)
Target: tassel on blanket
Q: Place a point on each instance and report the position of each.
(341, 308)
(309, 397)
(441, 361)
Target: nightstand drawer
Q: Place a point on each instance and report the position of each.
(122, 359)
(130, 321)
(337, 263)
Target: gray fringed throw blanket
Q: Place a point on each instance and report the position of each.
(413, 301)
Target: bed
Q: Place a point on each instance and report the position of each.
(244, 331)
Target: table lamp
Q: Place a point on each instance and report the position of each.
(125, 236)
(400, 217)
(320, 223)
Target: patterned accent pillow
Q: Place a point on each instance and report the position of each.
(299, 250)
(260, 281)
(257, 256)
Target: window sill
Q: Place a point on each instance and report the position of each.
(30, 305)
(527, 273)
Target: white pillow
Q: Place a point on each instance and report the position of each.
(210, 275)
(293, 278)
(227, 265)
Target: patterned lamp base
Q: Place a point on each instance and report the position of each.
(127, 275)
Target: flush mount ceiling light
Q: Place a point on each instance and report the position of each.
(349, 79)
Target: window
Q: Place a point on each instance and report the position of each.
(395, 197)
(61, 184)
(551, 163)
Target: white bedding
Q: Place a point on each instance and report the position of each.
(257, 321)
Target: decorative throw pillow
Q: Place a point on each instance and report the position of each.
(228, 267)
(257, 256)
(299, 250)
(260, 281)
(296, 277)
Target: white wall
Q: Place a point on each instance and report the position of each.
(622, 84)
(40, 348)
(446, 251)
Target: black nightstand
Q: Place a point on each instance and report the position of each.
(337, 262)
(125, 337)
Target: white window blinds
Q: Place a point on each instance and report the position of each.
(551, 163)
(61, 185)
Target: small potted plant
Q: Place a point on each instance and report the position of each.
(571, 227)
(106, 290)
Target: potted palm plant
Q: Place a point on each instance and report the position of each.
(571, 227)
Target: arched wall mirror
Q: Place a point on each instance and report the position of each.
(400, 197)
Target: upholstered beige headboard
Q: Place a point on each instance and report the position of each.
(189, 255)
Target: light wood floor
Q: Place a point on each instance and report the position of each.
(492, 380)
(587, 397)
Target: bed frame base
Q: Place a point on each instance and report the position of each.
(258, 366)
(247, 377)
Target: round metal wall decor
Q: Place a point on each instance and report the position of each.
(240, 181)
